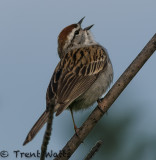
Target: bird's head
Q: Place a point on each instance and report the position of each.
(73, 36)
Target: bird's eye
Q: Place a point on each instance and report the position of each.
(76, 32)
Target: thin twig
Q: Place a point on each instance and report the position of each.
(93, 150)
(47, 134)
(109, 99)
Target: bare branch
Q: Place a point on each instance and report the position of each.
(109, 99)
(93, 150)
(47, 133)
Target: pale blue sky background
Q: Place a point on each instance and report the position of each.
(28, 56)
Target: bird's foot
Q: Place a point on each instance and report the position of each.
(99, 106)
(99, 100)
(76, 130)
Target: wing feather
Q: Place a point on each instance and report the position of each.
(76, 72)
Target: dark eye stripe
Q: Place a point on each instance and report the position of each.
(77, 32)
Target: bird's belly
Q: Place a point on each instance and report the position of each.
(97, 89)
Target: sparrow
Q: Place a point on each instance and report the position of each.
(81, 77)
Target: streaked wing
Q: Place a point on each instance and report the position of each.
(76, 72)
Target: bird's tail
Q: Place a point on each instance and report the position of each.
(37, 126)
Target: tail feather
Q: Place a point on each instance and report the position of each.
(37, 126)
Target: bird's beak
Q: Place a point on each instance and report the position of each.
(89, 27)
(81, 21)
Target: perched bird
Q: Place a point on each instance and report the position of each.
(81, 77)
